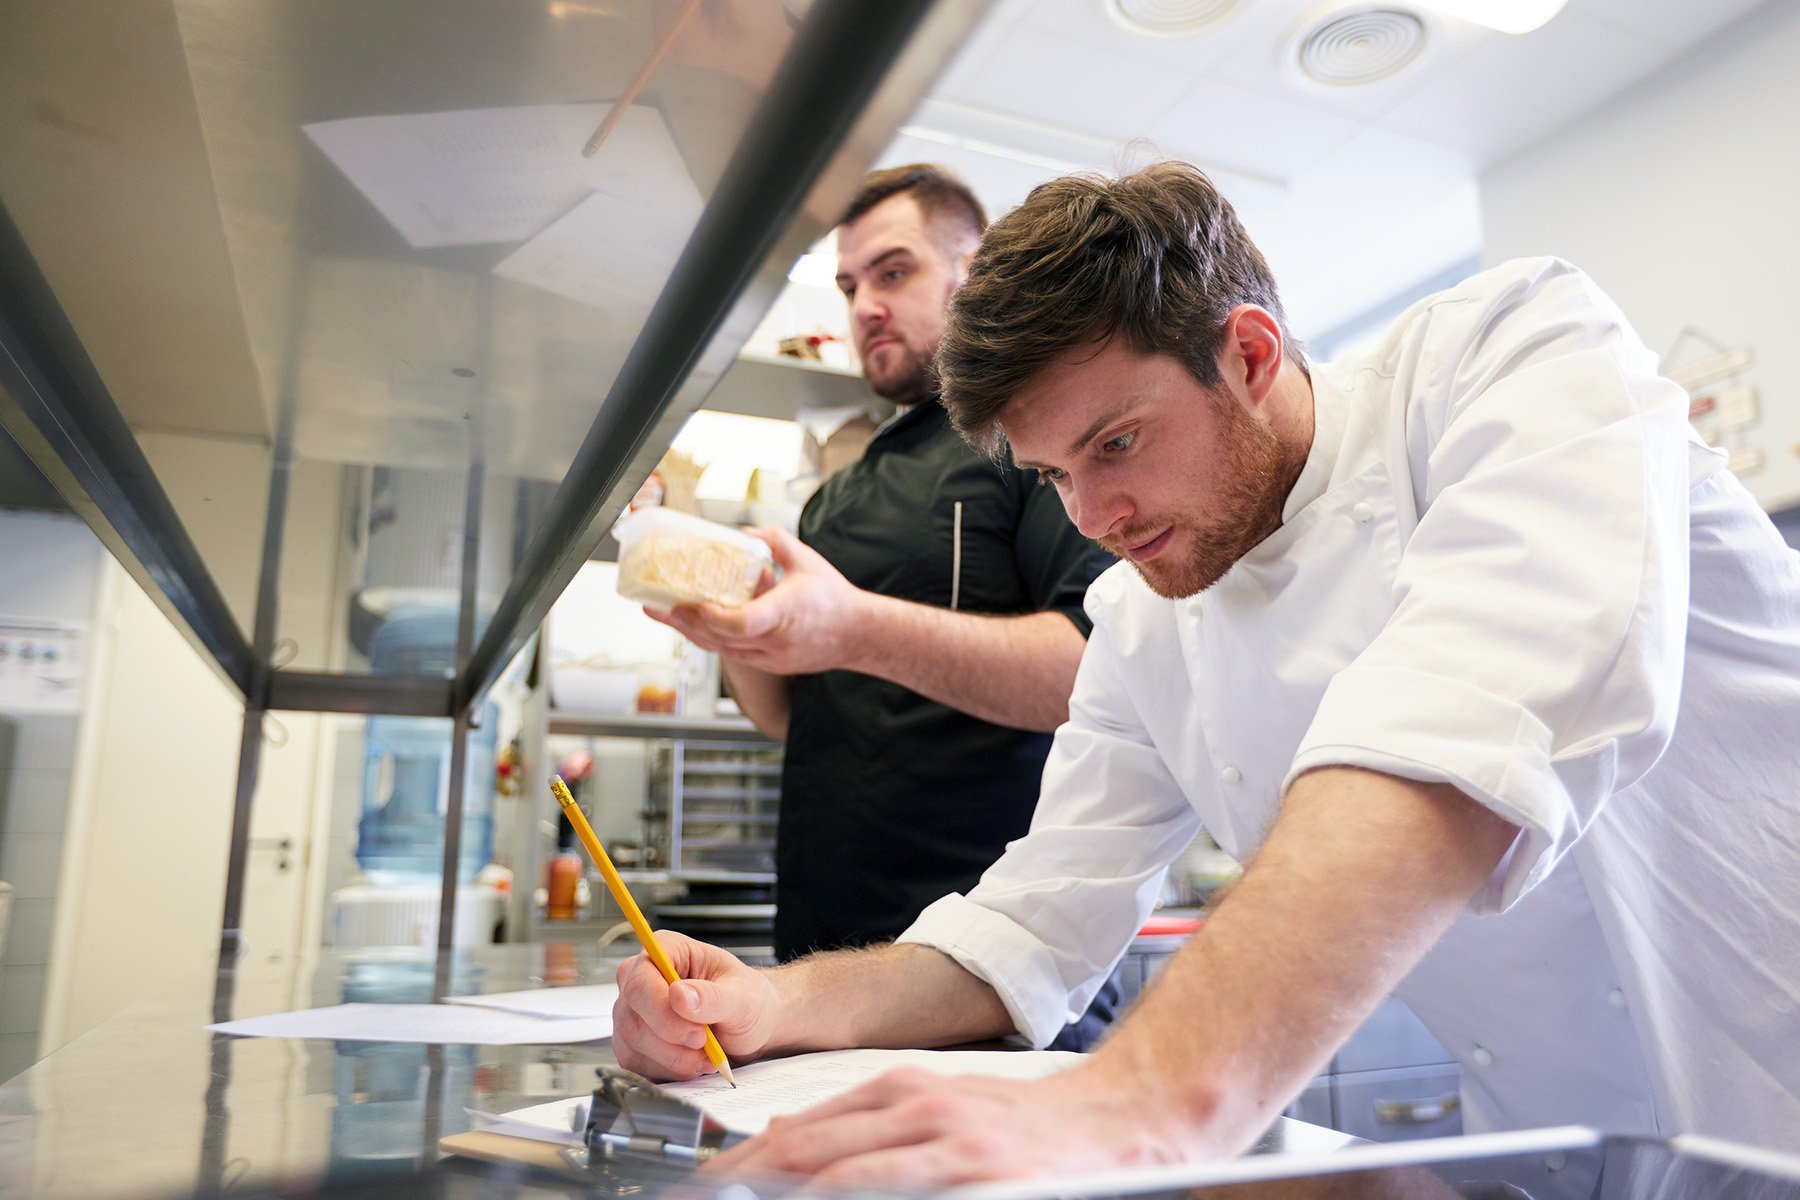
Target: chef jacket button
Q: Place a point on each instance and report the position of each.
(1231, 775)
(1481, 1056)
(1556, 1160)
(1363, 511)
(1616, 998)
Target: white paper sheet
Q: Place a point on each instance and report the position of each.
(771, 1089)
(499, 174)
(787, 1085)
(558, 1121)
(435, 1023)
(588, 1000)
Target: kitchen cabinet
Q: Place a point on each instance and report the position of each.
(1391, 1081)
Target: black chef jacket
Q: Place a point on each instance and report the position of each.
(890, 800)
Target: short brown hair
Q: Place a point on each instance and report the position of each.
(1158, 256)
(945, 200)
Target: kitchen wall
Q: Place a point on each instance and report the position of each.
(50, 569)
(1680, 198)
(141, 889)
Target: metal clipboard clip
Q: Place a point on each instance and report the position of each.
(630, 1117)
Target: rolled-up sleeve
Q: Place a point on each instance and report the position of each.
(1051, 918)
(1533, 657)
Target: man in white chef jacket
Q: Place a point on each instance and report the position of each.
(1474, 653)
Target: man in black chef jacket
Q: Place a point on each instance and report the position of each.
(922, 642)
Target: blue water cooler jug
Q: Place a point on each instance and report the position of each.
(406, 772)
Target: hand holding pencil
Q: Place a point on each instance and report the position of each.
(714, 1052)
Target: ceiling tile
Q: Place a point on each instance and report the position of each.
(998, 183)
(1069, 83)
(1228, 126)
(1672, 23)
(1268, 63)
(1511, 91)
(972, 58)
(1083, 21)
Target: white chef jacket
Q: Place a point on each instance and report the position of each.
(1509, 565)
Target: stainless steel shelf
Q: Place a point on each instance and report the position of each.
(655, 725)
(233, 311)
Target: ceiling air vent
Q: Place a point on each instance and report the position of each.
(1348, 49)
(1168, 18)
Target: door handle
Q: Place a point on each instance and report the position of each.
(282, 844)
(1417, 1112)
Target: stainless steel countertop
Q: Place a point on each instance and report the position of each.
(149, 1103)
(181, 1110)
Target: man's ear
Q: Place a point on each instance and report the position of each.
(1251, 355)
(959, 261)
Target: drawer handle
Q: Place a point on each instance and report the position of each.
(1417, 1112)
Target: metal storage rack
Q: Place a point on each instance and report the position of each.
(219, 272)
(722, 802)
(714, 793)
(711, 804)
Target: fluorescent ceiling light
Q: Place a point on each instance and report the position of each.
(1504, 16)
(1060, 166)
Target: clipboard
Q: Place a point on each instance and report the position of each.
(485, 1146)
(631, 1124)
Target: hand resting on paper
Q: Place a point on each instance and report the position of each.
(913, 1128)
(659, 1027)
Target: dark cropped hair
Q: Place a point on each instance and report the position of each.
(1157, 256)
(945, 200)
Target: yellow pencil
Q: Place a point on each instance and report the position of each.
(629, 907)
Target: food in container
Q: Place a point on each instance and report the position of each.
(668, 557)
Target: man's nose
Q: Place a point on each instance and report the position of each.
(1095, 510)
(867, 309)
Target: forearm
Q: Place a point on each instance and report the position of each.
(1360, 875)
(896, 995)
(761, 695)
(1016, 671)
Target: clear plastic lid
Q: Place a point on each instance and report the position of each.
(668, 557)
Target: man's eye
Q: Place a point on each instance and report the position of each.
(1048, 475)
(1114, 445)
(893, 275)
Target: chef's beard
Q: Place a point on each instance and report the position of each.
(1256, 471)
(908, 383)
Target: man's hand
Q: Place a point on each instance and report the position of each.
(807, 622)
(911, 1128)
(659, 1027)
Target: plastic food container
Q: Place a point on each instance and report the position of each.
(668, 557)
